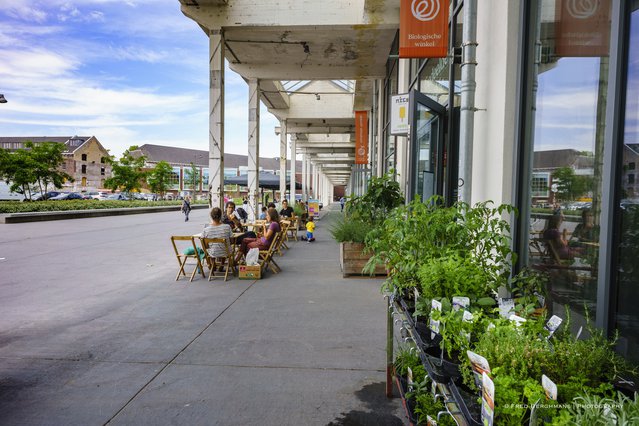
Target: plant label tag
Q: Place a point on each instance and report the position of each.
(409, 378)
(581, 329)
(415, 293)
(487, 400)
(517, 320)
(553, 324)
(541, 299)
(460, 303)
(433, 388)
(430, 421)
(490, 326)
(549, 387)
(506, 307)
(480, 365)
(467, 317)
(436, 305)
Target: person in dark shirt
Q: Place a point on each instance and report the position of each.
(287, 211)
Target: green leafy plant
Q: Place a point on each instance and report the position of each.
(353, 230)
(382, 196)
(587, 409)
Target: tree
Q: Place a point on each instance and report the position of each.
(127, 172)
(47, 159)
(159, 179)
(16, 168)
(569, 185)
(192, 177)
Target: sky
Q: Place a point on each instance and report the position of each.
(129, 72)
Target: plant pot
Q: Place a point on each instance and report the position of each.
(439, 368)
(352, 259)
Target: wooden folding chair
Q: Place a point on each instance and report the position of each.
(186, 242)
(292, 229)
(266, 256)
(215, 263)
(285, 225)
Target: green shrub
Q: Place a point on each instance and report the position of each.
(67, 205)
(349, 230)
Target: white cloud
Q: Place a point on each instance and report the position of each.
(23, 10)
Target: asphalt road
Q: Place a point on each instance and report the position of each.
(94, 329)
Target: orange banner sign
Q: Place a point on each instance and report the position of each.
(361, 137)
(423, 28)
(582, 28)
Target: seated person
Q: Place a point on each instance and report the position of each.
(557, 239)
(271, 206)
(287, 211)
(231, 217)
(217, 229)
(271, 229)
(586, 231)
(263, 214)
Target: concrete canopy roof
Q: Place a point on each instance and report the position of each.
(301, 40)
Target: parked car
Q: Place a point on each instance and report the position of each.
(120, 196)
(7, 195)
(67, 196)
(46, 196)
(100, 195)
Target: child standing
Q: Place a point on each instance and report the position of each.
(310, 227)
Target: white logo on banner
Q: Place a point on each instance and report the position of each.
(425, 10)
(582, 9)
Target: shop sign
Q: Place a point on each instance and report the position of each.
(582, 28)
(423, 28)
(399, 114)
(361, 137)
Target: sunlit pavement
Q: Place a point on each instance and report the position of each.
(95, 329)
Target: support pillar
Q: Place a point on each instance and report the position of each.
(283, 163)
(253, 147)
(304, 178)
(293, 166)
(216, 118)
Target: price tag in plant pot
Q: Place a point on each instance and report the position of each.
(487, 400)
(430, 421)
(549, 387)
(460, 303)
(409, 378)
(517, 320)
(553, 324)
(435, 305)
(506, 307)
(480, 365)
(467, 317)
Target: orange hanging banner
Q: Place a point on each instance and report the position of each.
(582, 29)
(423, 28)
(361, 137)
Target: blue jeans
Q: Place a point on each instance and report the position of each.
(309, 235)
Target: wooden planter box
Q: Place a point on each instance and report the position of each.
(352, 260)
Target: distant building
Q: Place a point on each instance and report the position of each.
(84, 158)
(182, 158)
(546, 162)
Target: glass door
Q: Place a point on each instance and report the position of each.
(426, 147)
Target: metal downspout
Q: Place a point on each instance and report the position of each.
(467, 113)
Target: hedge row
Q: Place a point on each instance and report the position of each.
(65, 205)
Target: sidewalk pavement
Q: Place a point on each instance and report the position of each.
(302, 347)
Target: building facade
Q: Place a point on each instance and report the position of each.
(524, 89)
(85, 159)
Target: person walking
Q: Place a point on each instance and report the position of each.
(342, 201)
(186, 207)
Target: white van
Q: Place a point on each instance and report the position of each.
(7, 195)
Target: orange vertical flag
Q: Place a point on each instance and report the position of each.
(361, 137)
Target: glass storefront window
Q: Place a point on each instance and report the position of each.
(174, 181)
(568, 112)
(625, 313)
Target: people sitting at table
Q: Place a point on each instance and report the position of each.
(231, 217)
(263, 214)
(271, 228)
(217, 229)
(586, 231)
(287, 211)
(556, 238)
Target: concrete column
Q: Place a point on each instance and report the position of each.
(216, 118)
(253, 147)
(283, 160)
(381, 141)
(402, 149)
(293, 171)
(304, 180)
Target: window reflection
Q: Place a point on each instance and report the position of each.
(569, 115)
(626, 316)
